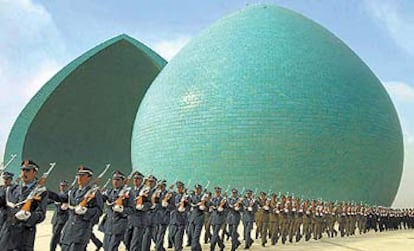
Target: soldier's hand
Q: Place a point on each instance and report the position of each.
(79, 210)
(23, 215)
(118, 208)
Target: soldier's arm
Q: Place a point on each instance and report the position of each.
(39, 213)
(57, 197)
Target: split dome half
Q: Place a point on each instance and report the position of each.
(263, 98)
(267, 98)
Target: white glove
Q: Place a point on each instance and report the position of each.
(64, 206)
(181, 209)
(249, 209)
(164, 203)
(237, 208)
(118, 208)
(220, 209)
(202, 207)
(23, 215)
(139, 207)
(80, 210)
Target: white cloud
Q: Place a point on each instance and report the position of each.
(390, 14)
(31, 52)
(402, 95)
(169, 48)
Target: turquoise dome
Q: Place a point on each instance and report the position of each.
(266, 98)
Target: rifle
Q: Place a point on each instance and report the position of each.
(72, 185)
(38, 190)
(124, 191)
(103, 188)
(90, 194)
(4, 166)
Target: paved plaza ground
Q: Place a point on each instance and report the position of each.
(387, 241)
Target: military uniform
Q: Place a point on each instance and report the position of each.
(162, 216)
(178, 217)
(116, 218)
(60, 215)
(78, 229)
(249, 211)
(19, 229)
(233, 218)
(3, 188)
(196, 217)
(218, 206)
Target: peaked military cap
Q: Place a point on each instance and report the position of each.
(249, 191)
(137, 175)
(85, 170)
(118, 175)
(7, 175)
(198, 186)
(29, 164)
(63, 183)
(162, 183)
(217, 189)
(179, 184)
(150, 178)
(234, 190)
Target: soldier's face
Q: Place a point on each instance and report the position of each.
(116, 183)
(137, 182)
(198, 190)
(7, 181)
(180, 189)
(27, 174)
(83, 179)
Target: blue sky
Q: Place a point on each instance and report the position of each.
(38, 38)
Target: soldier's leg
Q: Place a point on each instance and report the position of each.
(207, 228)
(159, 244)
(195, 235)
(178, 237)
(106, 240)
(128, 237)
(215, 237)
(98, 243)
(136, 241)
(235, 243)
(114, 242)
(54, 241)
(146, 238)
(264, 233)
(171, 232)
(73, 247)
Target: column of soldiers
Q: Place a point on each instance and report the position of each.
(147, 214)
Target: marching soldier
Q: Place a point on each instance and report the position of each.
(149, 232)
(274, 219)
(116, 218)
(207, 218)
(249, 210)
(85, 206)
(196, 219)
(135, 210)
(7, 182)
(178, 207)
(61, 213)
(265, 219)
(26, 207)
(233, 218)
(161, 200)
(218, 206)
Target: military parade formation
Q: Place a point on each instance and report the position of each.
(144, 213)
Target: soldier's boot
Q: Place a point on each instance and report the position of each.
(307, 237)
(298, 237)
